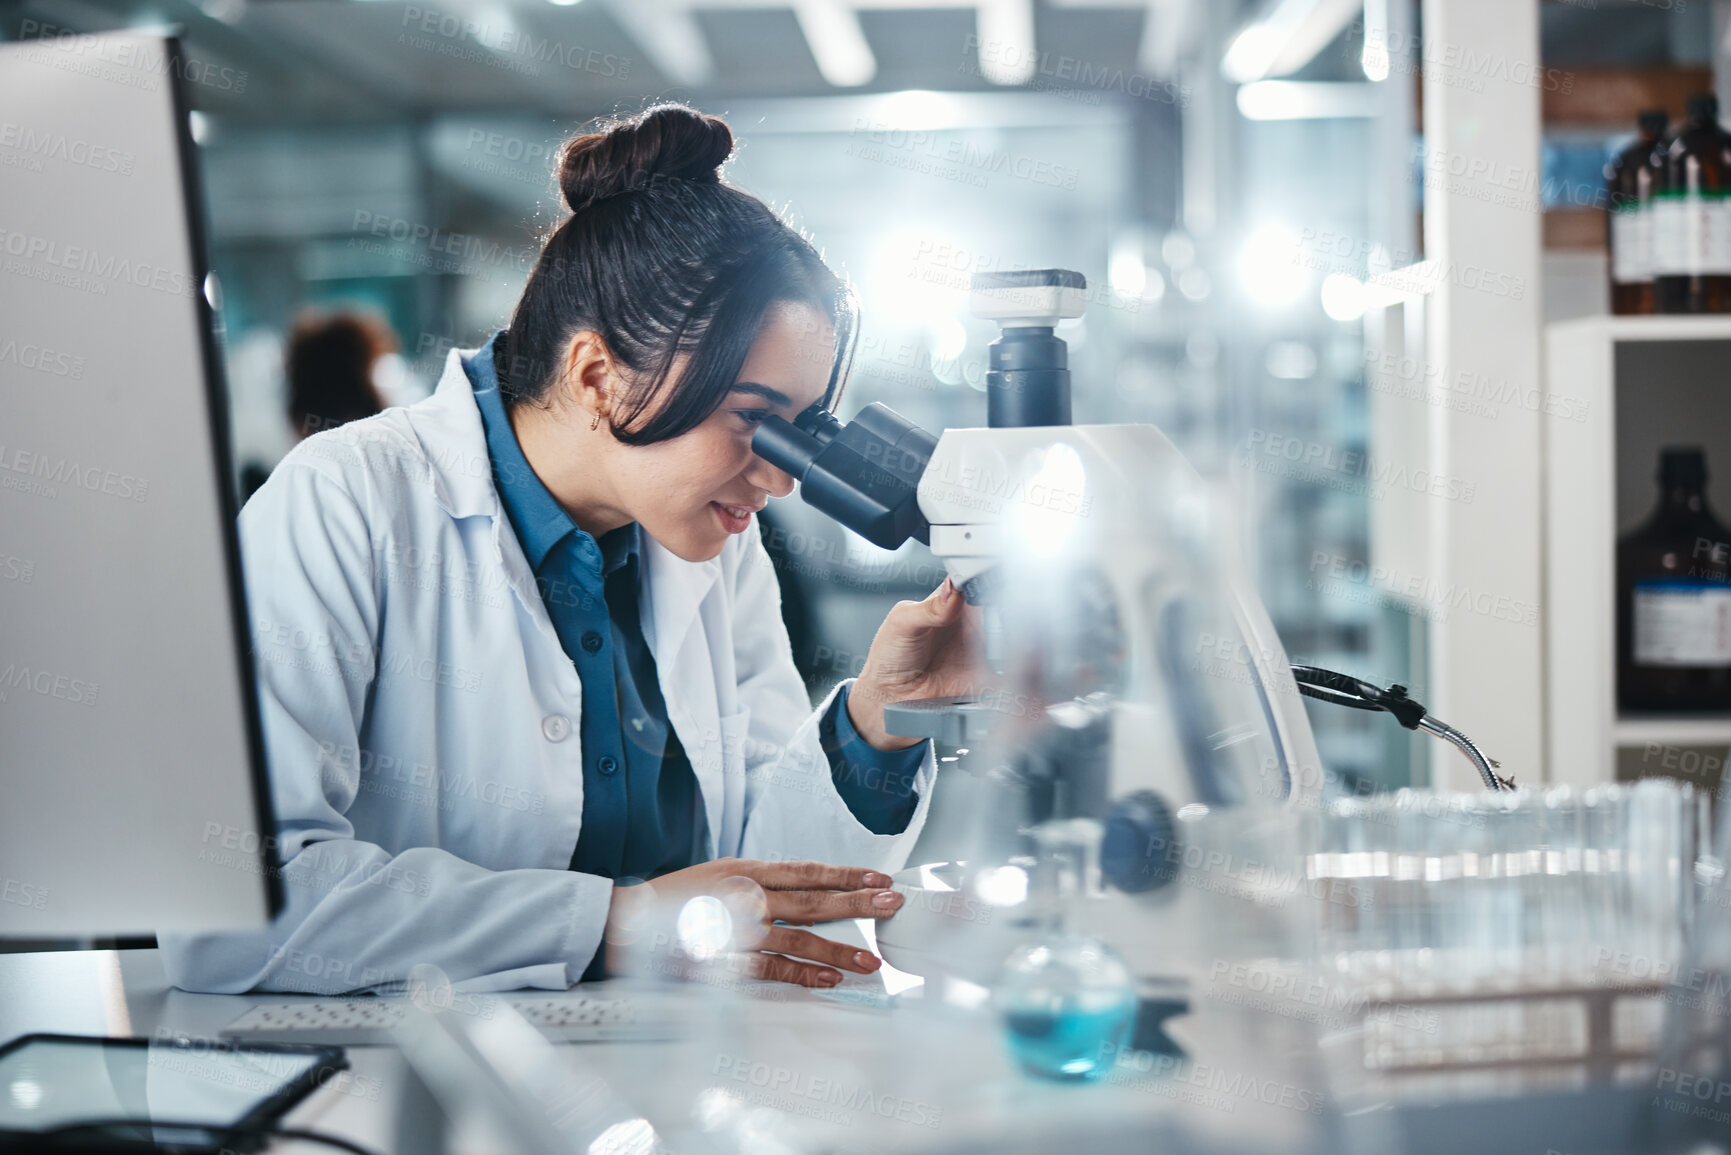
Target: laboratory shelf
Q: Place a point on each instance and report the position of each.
(1715, 328)
(1617, 390)
(1672, 730)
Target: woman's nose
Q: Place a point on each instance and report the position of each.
(776, 482)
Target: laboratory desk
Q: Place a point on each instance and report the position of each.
(818, 1058)
(853, 1071)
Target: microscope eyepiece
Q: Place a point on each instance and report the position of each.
(865, 474)
(819, 422)
(786, 446)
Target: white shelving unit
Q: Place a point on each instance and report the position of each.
(1678, 731)
(1637, 383)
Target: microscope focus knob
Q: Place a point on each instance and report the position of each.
(1139, 851)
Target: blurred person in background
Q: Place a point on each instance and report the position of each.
(331, 361)
(330, 364)
(522, 667)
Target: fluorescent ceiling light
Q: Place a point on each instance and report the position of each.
(1286, 37)
(669, 35)
(227, 11)
(1252, 52)
(837, 44)
(1373, 58)
(1306, 100)
(498, 25)
(1006, 31)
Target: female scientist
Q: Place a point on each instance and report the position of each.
(519, 645)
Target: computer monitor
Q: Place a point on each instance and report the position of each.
(132, 778)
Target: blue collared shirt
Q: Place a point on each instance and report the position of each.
(642, 815)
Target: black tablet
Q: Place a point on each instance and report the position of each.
(66, 1092)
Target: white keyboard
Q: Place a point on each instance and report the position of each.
(369, 1021)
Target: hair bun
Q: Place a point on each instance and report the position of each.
(669, 140)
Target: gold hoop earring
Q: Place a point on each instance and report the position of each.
(595, 424)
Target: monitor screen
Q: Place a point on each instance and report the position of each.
(132, 789)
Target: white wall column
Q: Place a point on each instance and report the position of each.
(1482, 83)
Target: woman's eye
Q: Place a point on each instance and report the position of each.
(752, 416)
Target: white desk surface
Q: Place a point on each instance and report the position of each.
(951, 1068)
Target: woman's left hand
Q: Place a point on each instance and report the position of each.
(929, 649)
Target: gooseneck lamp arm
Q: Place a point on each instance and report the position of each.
(1345, 690)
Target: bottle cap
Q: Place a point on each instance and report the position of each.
(1704, 106)
(1682, 465)
(1653, 121)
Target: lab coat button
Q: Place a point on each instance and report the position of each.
(607, 765)
(555, 727)
(591, 642)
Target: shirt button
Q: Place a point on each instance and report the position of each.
(555, 727)
(591, 642)
(608, 764)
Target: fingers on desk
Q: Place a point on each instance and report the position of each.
(806, 945)
(787, 970)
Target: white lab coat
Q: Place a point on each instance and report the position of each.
(421, 721)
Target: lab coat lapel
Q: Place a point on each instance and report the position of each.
(674, 624)
(455, 442)
(521, 579)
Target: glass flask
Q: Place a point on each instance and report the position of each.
(1068, 1000)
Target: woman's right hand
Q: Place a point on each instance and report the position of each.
(801, 893)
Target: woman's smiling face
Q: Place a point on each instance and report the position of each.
(692, 492)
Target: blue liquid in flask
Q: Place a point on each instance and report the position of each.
(1071, 1040)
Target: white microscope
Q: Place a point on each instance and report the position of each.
(1100, 560)
(1137, 681)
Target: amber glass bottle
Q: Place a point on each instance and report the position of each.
(1674, 599)
(1632, 178)
(1692, 216)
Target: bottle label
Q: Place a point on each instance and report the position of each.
(1682, 623)
(1691, 236)
(1632, 245)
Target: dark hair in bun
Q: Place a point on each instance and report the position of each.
(670, 141)
(661, 258)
